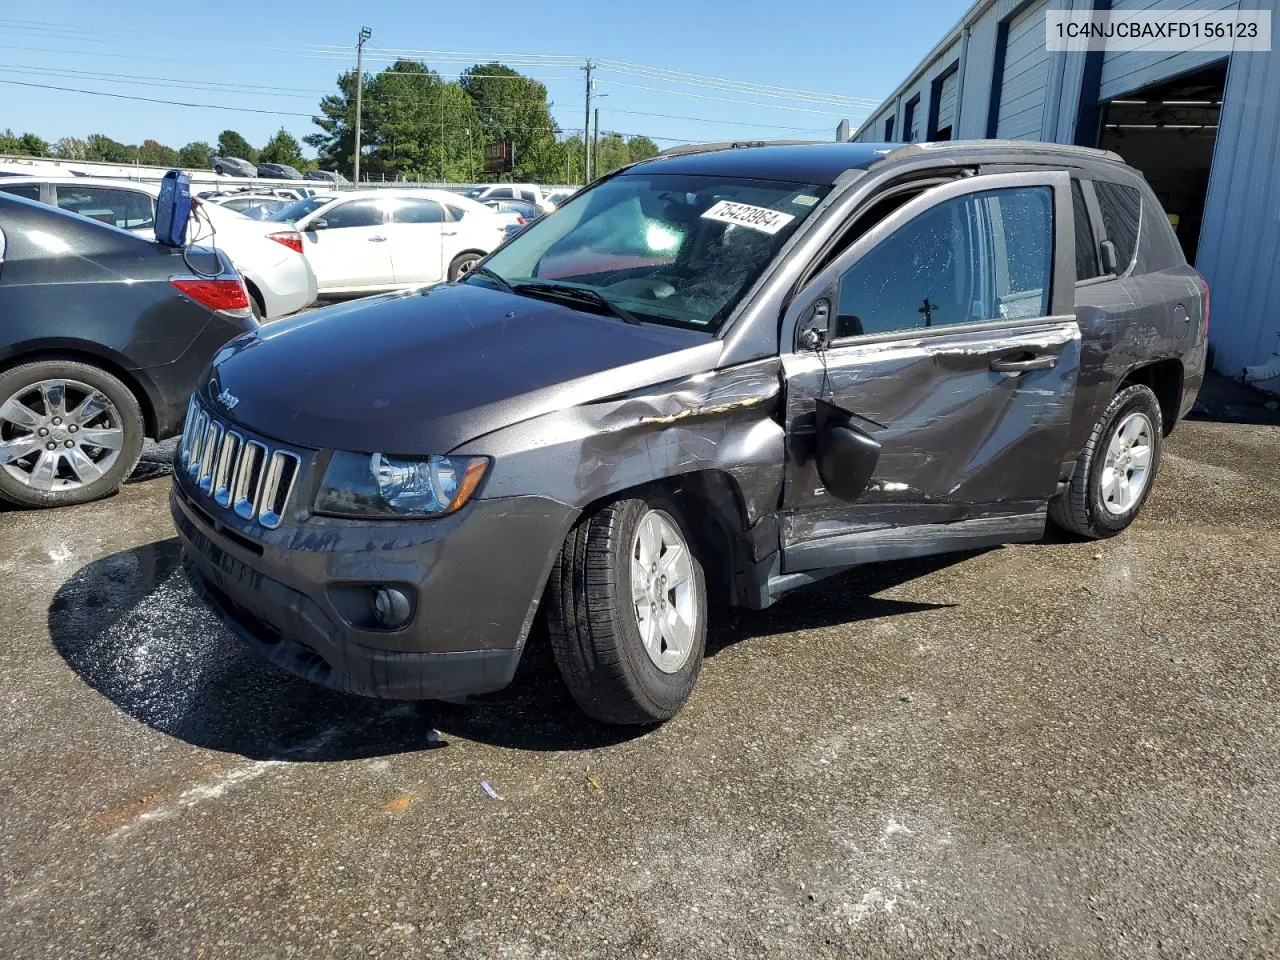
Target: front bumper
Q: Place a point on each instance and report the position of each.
(477, 576)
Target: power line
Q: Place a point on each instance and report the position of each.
(743, 86)
(732, 123)
(703, 96)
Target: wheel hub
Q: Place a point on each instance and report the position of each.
(1126, 470)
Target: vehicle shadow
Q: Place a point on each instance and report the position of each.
(132, 628)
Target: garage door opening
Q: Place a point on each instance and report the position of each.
(1167, 131)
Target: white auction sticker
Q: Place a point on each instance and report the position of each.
(745, 215)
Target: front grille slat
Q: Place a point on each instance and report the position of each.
(236, 473)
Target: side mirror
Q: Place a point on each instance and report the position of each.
(319, 223)
(1109, 258)
(845, 454)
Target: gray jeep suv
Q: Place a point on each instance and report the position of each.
(725, 371)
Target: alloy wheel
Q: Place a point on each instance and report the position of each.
(59, 435)
(1126, 471)
(662, 591)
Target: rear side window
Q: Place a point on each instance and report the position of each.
(29, 190)
(126, 209)
(1086, 250)
(1121, 208)
(414, 210)
(528, 195)
(353, 213)
(981, 257)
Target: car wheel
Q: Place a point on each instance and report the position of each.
(462, 265)
(69, 433)
(1115, 471)
(627, 612)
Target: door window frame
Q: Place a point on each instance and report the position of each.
(826, 284)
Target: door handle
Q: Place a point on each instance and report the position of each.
(448, 233)
(1024, 363)
(377, 239)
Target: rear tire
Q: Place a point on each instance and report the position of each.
(75, 470)
(1109, 486)
(605, 597)
(462, 265)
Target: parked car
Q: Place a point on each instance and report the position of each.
(278, 171)
(233, 167)
(518, 212)
(530, 192)
(102, 335)
(327, 176)
(364, 241)
(278, 276)
(557, 197)
(724, 373)
(256, 206)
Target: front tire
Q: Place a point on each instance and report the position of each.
(69, 433)
(462, 265)
(1116, 469)
(627, 612)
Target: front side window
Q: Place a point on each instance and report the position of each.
(126, 209)
(1121, 208)
(981, 257)
(670, 248)
(413, 210)
(354, 213)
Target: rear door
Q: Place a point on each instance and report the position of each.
(351, 251)
(416, 237)
(950, 363)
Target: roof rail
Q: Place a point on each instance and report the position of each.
(730, 145)
(1031, 146)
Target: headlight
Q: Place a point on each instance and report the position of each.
(376, 485)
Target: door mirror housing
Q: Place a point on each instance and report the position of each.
(319, 223)
(1109, 258)
(845, 454)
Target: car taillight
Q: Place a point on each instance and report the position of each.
(226, 296)
(1204, 292)
(290, 238)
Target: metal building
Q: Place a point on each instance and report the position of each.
(1204, 127)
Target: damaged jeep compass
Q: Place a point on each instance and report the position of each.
(724, 372)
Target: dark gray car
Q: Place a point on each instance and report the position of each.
(720, 372)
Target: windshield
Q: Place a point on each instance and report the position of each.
(298, 209)
(669, 248)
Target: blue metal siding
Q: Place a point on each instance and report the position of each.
(1240, 236)
(1025, 77)
(975, 84)
(1126, 70)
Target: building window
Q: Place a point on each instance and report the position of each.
(910, 122)
(888, 130)
(942, 103)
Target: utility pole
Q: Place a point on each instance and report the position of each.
(595, 138)
(442, 179)
(586, 131)
(365, 34)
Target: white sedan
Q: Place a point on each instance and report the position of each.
(365, 241)
(268, 255)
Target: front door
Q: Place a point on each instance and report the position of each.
(944, 341)
(351, 250)
(416, 238)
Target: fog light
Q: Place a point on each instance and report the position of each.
(391, 607)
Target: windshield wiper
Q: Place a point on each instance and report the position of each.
(581, 294)
(492, 277)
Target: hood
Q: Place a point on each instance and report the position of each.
(425, 371)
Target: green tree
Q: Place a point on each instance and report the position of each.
(641, 148)
(103, 148)
(33, 146)
(513, 107)
(335, 144)
(196, 155)
(8, 141)
(71, 148)
(282, 148)
(417, 125)
(156, 154)
(231, 144)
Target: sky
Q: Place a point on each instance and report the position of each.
(833, 59)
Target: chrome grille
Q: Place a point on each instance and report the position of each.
(239, 474)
